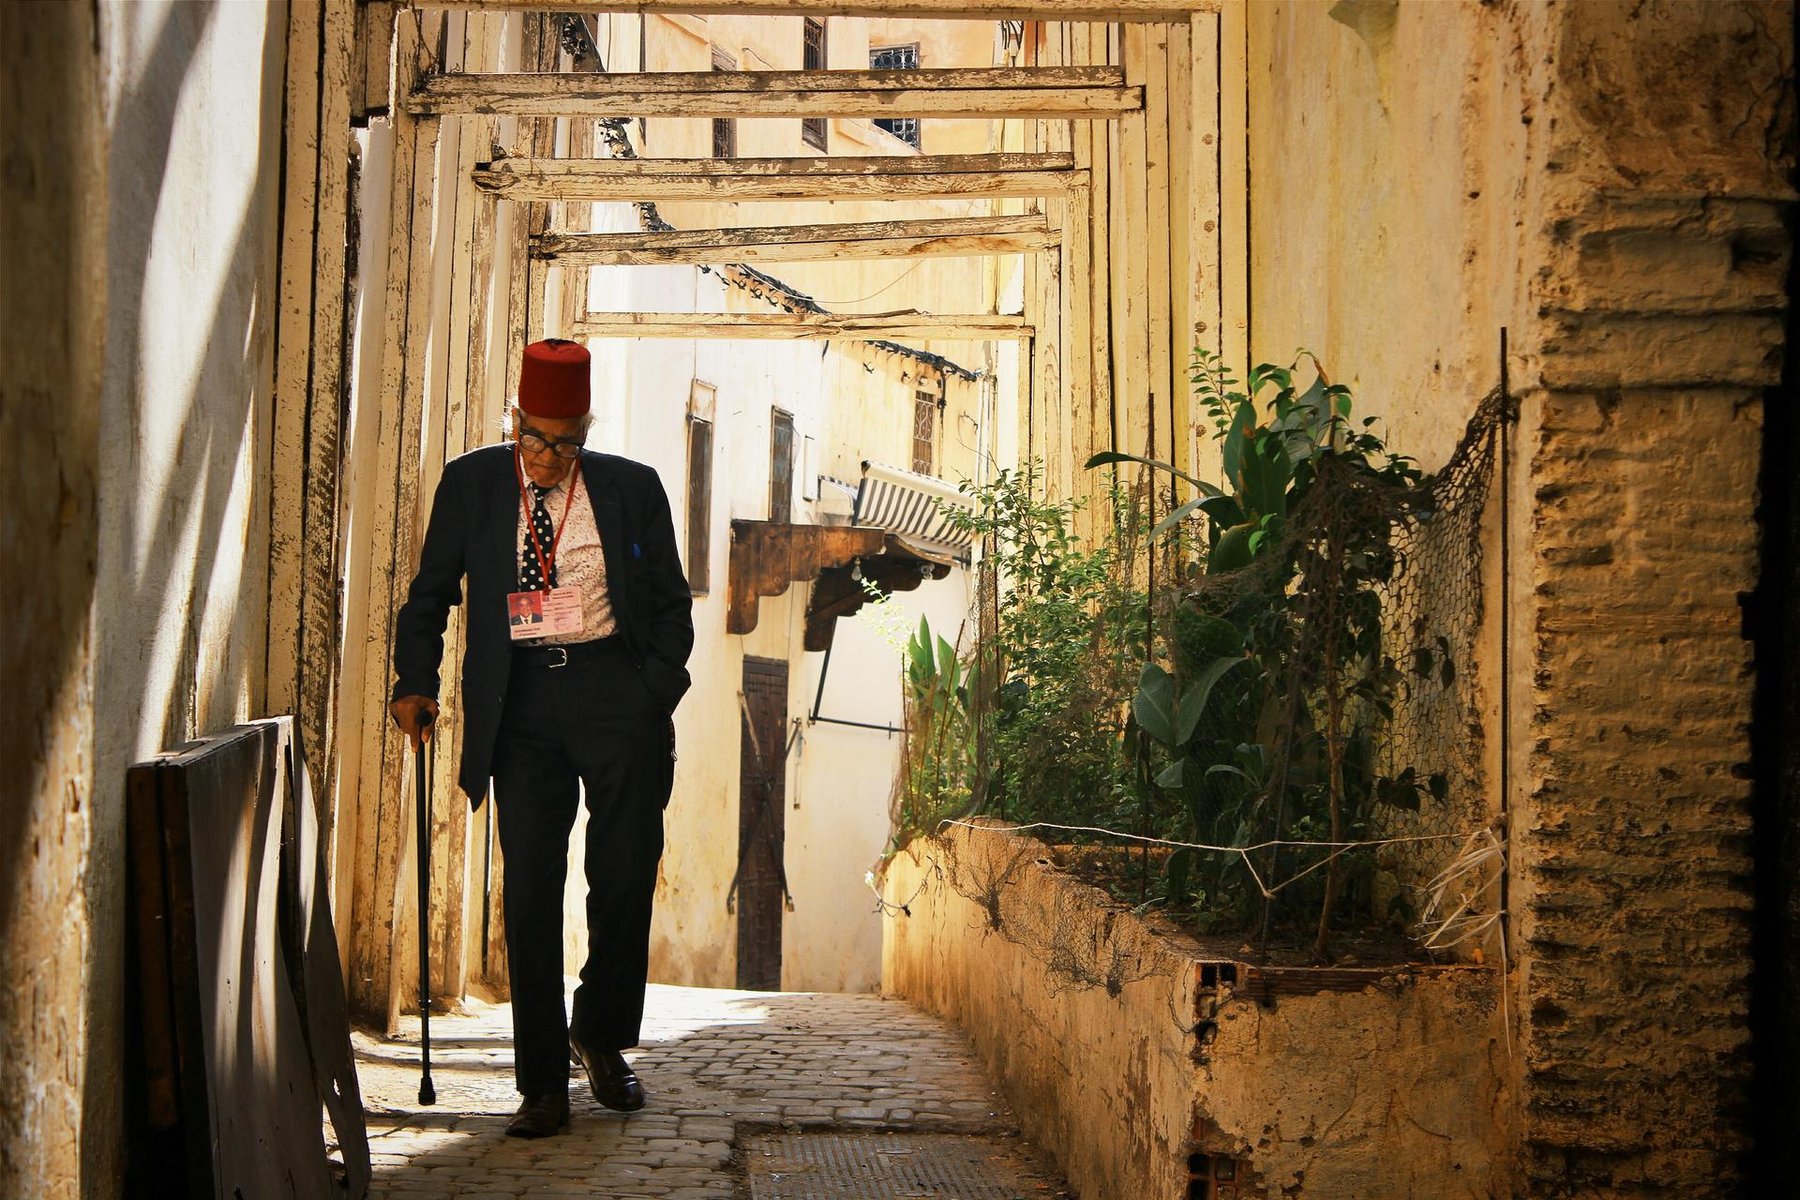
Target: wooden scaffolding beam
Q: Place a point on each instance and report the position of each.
(311, 387)
(951, 236)
(1029, 10)
(979, 93)
(973, 176)
(786, 326)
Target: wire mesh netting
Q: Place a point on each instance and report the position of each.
(1438, 616)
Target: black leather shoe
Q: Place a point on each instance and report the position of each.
(541, 1116)
(615, 1084)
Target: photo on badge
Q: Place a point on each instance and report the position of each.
(525, 611)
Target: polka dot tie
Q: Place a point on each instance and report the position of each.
(531, 579)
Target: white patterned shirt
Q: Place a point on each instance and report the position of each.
(579, 560)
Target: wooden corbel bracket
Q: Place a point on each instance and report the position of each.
(838, 593)
(767, 557)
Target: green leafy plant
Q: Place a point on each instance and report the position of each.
(1062, 642)
(1265, 729)
(937, 772)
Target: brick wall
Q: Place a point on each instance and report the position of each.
(1659, 285)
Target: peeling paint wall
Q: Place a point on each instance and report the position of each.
(1387, 164)
(1125, 1074)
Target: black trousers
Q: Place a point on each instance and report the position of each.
(590, 721)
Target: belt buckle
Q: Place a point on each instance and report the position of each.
(562, 650)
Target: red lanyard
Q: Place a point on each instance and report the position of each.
(531, 525)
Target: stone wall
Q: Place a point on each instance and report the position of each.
(1133, 1060)
(1609, 182)
(1661, 262)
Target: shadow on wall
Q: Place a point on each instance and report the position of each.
(50, 338)
(181, 606)
(47, 429)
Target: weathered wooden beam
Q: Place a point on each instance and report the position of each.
(371, 83)
(958, 176)
(456, 421)
(1234, 187)
(846, 167)
(767, 556)
(784, 326)
(573, 292)
(311, 390)
(387, 490)
(982, 93)
(525, 296)
(694, 86)
(975, 10)
(801, 243)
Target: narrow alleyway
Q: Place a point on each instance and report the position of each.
(752, 1095)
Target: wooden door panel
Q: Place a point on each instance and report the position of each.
(762, 808)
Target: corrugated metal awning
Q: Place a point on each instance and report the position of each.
(912, 507)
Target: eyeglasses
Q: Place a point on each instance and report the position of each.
(537, 443)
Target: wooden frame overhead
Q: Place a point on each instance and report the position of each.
(786, 326)
(1024, 234)
(1029, 10)
(967, 176)
(977, 93)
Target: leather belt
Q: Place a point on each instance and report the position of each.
(552, 657)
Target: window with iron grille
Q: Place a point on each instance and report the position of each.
(812, 58)
(781, 467)
(897, 58)
(924, 424)
(699, 505)
(724, 129)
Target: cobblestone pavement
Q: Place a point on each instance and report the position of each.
(717, 1065)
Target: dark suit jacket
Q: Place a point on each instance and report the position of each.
(473, 532)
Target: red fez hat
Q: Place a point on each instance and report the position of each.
(553, 379)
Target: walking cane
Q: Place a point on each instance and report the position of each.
(427, 1093)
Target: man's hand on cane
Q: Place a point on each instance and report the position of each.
(407, 712)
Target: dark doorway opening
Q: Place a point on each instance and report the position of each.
(1772, 621)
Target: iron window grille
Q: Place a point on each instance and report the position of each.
(897, 58)
(781, 467)
(924, 426)
(812, 58)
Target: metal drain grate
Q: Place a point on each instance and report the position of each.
(889, 1166)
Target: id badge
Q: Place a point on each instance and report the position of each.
(534, 615)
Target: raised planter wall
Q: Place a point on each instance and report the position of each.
(1152, 1071)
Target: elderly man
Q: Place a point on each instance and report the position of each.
(579, 624)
